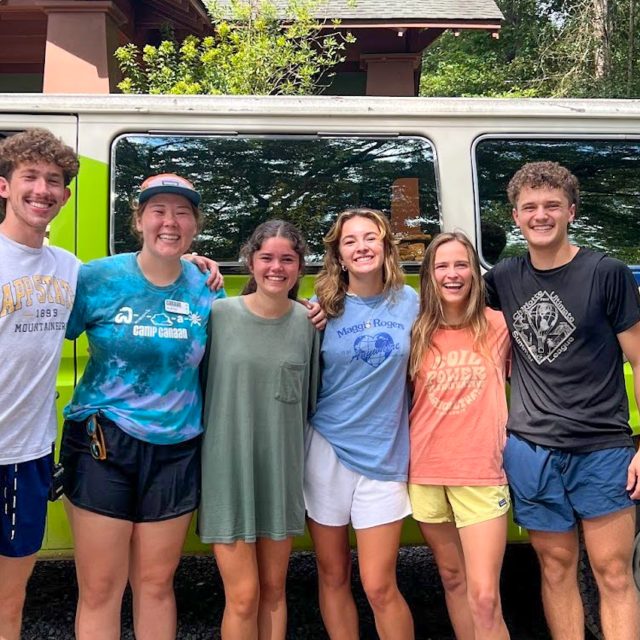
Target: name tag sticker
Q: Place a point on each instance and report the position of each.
(175, 306)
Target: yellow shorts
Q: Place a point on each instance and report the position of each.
(436, 504)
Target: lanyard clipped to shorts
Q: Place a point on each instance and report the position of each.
(97, 445)
(56, 488)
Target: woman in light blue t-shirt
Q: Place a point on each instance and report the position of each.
(357, 446)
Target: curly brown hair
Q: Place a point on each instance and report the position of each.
(37, 145)
(537, 175)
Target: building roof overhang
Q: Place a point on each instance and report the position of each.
(453, 12)
(23, 24)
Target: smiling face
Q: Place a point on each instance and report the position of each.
(361, 248)
(275, 266)
(167, 225)
(543, 216)
(453, 276)
(35, 193)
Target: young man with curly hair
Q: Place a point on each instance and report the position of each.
(572, 314)
(37, 288)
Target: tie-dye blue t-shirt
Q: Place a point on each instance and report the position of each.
(363, 405)
(145, 343)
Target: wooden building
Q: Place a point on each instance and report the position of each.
(67, 46)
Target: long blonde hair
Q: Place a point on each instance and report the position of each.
(332, 282)
(431, 315)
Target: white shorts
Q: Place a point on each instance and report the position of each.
(335, 495)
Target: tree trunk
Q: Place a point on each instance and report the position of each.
(602, 35)
(632, 47)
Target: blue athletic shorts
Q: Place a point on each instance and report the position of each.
(551, 489)
(24, 488)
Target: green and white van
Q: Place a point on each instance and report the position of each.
(430, 164)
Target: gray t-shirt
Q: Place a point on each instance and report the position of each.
(38, 288)
(261, 381)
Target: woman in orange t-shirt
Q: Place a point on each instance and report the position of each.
(457, 486)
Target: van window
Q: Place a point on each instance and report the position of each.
(608, 217)
(307, 180)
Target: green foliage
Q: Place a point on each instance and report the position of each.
(595, 51)
(471, 64)
(547, 48)
(254, 50)
(475, 64)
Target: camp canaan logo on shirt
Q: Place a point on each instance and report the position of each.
(542, 327)
(172, 323)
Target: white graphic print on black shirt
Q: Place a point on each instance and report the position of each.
(542, 327)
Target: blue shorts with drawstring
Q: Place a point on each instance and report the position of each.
(551, 489)
(24, 490)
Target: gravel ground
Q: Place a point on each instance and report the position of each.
(52, 592)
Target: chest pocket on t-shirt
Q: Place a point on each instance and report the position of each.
(289, 387)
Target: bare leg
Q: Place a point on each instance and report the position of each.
(333, 556)
(377, 556)
(558, 557)
(273, 562)
(444, 541)
(14, 575)
(609, 542)
(102, 564)
(155, 553)
(238, 566)
(483, 545)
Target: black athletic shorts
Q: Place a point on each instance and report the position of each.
(138, 481)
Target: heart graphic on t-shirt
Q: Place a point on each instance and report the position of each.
(373, 350)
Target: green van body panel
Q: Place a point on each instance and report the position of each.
(92, 222)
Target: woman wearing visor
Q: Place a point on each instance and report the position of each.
(131, 440)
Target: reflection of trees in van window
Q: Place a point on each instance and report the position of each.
(609, 173)
(307, 180)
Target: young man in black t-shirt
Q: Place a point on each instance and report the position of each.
(572, 313)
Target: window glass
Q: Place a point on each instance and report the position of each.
(608, 218)
(306, 180)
